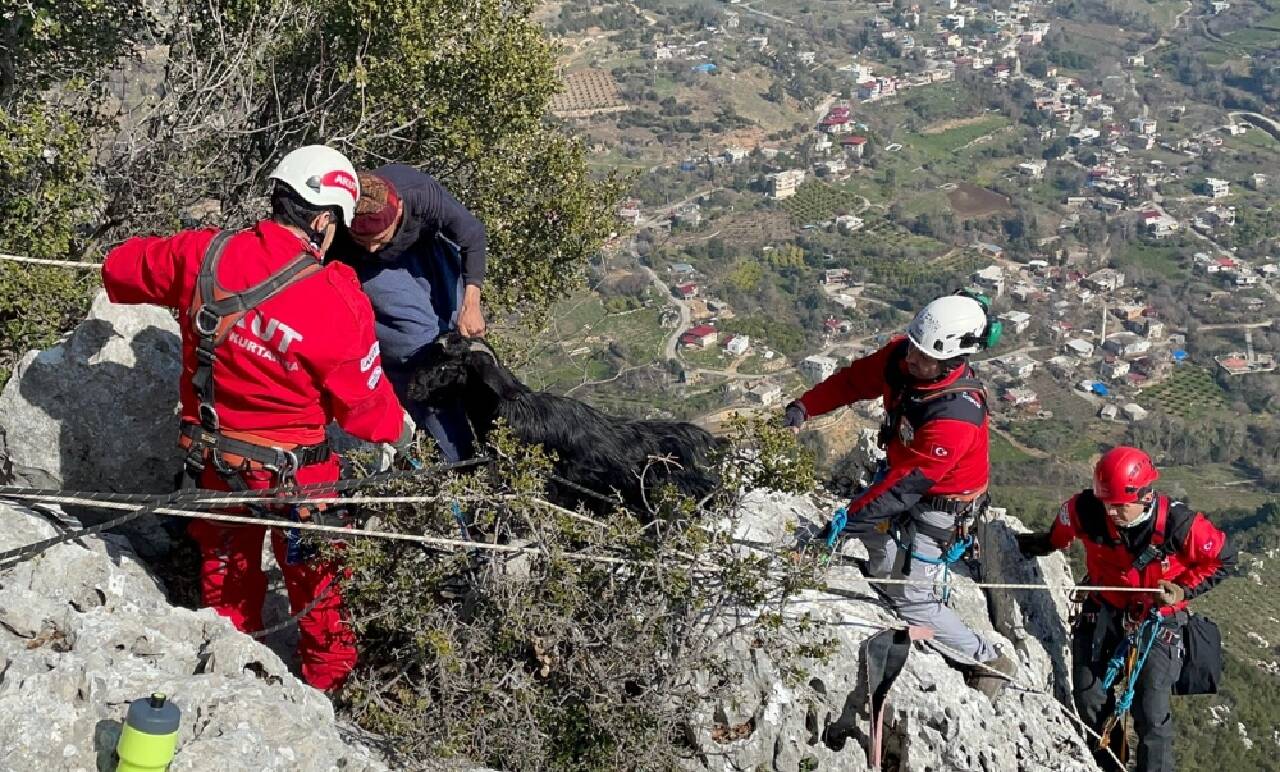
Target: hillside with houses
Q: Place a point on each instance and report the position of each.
(806, 174)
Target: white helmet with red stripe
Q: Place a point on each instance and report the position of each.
(322, 177)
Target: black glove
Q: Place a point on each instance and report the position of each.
(1034, 545)
(794, 417)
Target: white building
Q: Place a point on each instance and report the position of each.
(1033, 169)
(848, 223)
(1079, 347)
(1114, 369)
(765, 393)
(1016, 321)
(818, 368)
(989, 280)
(783, 185)
(1217, 188)
(1134, 412)
(738, 345)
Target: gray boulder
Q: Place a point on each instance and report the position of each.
(98, 412)
(775, 719)
(84, 630)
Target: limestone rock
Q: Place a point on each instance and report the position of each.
(98, 412)
(84, 630)
(775, 720)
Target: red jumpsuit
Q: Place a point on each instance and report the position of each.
(299, 360)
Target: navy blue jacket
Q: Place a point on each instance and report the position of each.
(415, 282)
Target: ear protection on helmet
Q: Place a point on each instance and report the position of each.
(990, 334)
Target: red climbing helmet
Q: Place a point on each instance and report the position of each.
(1123, 475)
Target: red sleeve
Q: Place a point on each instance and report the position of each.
(1207, 555)
(349, 371)
(155, 269)
(1063, 531)
(863, 379)
(936, 448)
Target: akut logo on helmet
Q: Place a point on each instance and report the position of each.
(335, 179)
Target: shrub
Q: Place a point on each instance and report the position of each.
(586, 650)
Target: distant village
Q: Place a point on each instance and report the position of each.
(1096, 333)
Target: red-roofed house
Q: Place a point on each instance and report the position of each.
(855, 145)
(701, 336)
(834, 124)
(686, 291)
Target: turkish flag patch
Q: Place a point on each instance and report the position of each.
(939, 451)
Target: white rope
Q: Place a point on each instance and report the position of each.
(478, 545)
(1011, 586)
(41, 261)
(226, 500)
(457, 544)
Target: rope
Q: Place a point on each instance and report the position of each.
(279, 494)
(289, 620)
(41, 261)
(282, 522)
(456, 545)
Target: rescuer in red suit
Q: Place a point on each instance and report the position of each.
(275, 345)
(936, 470)
(1134, 537)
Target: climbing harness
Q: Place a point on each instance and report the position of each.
(213, 314)
(956, 543)
(1125, 666)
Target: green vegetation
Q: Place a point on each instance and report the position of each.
(1190, 392)
(764, 330)
(584, 660)
(1160, 260)
(817, 201)
(1003, 452)
(468, 104)
(943, 143)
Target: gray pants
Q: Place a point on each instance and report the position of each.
(921, 604)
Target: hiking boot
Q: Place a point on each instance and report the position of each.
(983, 680)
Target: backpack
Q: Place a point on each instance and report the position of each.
(1202, 665)
(1201, 639)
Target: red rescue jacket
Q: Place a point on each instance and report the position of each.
(1190, 551)
(299, 360)
(936, 447)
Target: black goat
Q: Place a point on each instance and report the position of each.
(596, 451)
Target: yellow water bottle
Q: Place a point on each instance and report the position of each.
(150, 735)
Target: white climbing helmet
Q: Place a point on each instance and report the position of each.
(322, 177)
(949, 327)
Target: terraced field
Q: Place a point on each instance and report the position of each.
(1189, 393)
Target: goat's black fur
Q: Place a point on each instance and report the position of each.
(594, 450)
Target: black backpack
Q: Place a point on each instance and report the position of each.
(1202, 664)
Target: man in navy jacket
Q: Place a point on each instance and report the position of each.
(420, 257)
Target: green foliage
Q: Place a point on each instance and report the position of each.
(1190, 392)
(575, 650)
(45, 173)
(817, 201)
(746, 276)
(460, 89)
(48, 42)
(784, 337)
